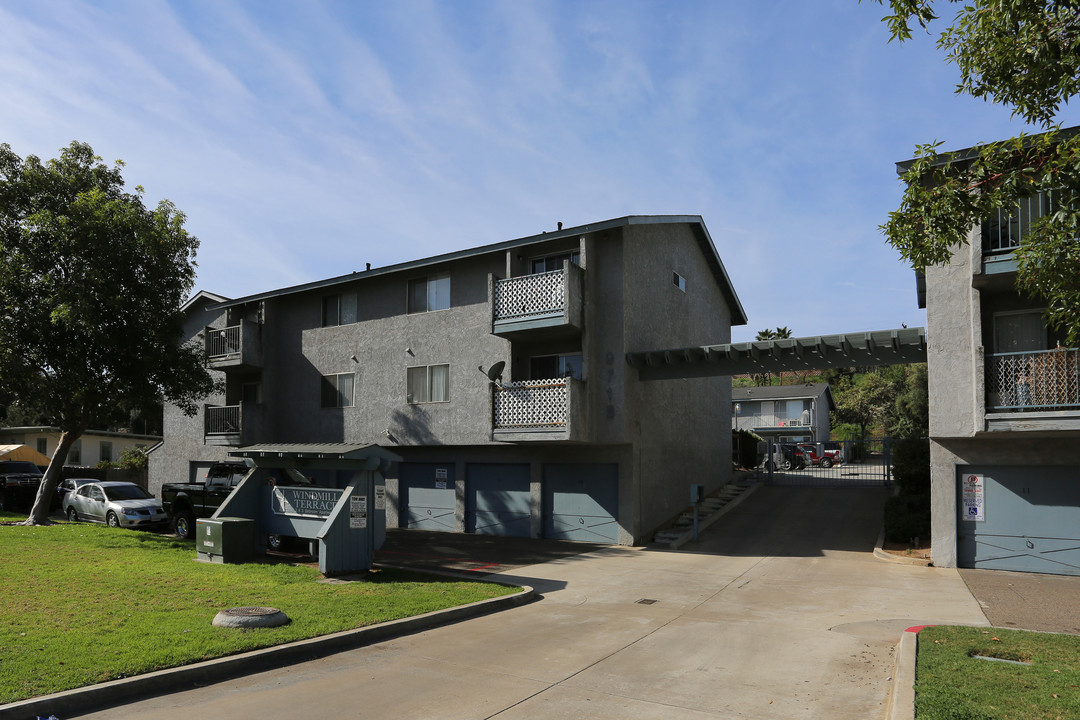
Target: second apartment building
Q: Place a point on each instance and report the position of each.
(497, 373)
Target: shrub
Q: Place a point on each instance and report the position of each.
(744, 445)
(907, 517)
(911, 466)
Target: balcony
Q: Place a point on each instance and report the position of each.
(1033, 390)
(232, 425)
(749, 422)
(543, 305)
(539, 410)
(234, 347)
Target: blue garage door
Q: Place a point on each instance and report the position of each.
(497, 499)
(581, 502)
(1030, 518)
(428, 496)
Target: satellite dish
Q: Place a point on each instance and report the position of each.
(494, 372)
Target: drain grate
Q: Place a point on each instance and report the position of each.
(645, 601)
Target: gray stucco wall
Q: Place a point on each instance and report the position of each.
(378, 349)
(680, 429)
(183, 435)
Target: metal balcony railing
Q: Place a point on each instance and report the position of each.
(1046, 380)
(223, 343)
(748, 421)
(530, 296)
(536, 404)
(223, 420)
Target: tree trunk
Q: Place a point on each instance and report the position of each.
(39, 513)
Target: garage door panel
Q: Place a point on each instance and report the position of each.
(581, 502)
(1032, 521)
(498, 499)
(428, 496)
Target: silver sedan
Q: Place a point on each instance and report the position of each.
(117, 504)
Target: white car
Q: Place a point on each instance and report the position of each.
(117, 504)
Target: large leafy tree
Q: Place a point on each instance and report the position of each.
(91, 286)
(1025, 55)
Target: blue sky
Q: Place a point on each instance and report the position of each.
(305, 139)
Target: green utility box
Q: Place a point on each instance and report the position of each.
(225, 540)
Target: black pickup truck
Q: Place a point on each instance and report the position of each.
(19, 482)
(184, 502)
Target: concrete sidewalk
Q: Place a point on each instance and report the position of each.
(798, 621)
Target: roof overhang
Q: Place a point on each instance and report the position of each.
(878, 347)
(370, 456)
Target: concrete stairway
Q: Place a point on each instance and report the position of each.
(681, 531)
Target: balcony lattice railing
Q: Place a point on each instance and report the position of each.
(223, 342)
(530, 295)
(763, 421)
(1047, 380)
(532, 404)
(222, 419)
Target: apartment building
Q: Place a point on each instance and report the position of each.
(1004, 410)
(497, 373)
(784, 413)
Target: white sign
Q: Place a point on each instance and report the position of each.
(440, 474)
(357, 512)
(972, 499)
(380, 497)
(303, 501)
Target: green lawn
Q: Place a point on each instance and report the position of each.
(85, 603)
(951, 684)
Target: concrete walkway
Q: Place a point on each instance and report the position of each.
(781, 611)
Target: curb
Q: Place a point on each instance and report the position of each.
(209, 672)
(880, 553)
(902, 693)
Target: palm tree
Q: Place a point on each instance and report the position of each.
(764, 378)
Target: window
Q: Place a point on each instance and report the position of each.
(105, 452)
(429, 293)
(75, 453)
(337, 390)
(43, 445)
(546, 367)
(428, 383)
(553, 262)
(679, 281)
(1022, 331)
(339, 309)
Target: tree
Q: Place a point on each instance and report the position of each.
(766, 335)
(1024, 55)
(91, 286)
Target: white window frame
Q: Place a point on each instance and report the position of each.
(427, 390)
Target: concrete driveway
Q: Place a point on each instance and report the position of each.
(780, 611)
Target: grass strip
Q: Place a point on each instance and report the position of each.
(83, 604)
(1041, 683)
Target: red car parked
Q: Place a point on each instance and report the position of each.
(821, 458)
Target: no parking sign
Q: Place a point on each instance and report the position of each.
(972, 498)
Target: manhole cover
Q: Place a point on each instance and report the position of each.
(249, 617)
(645, 601)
